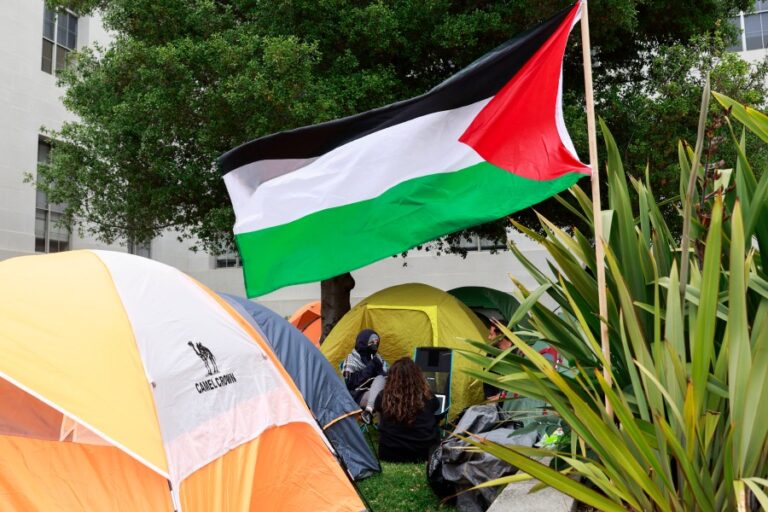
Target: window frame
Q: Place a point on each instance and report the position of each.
(51, 213)
(761, 11)
(59, 49)
(229, 254)
(476, 243)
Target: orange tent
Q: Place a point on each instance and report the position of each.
(308, 320)
(125, 385)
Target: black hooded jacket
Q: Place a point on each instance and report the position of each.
(362, 364)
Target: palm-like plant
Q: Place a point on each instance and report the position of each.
(689, 363)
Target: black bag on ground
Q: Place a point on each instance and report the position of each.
(440, 486)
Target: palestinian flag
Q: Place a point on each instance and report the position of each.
(322, 200)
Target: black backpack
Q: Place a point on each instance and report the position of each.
(440, 486)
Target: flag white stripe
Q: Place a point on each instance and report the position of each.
(565, 137)
(361, 170)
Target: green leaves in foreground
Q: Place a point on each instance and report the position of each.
(689, 430)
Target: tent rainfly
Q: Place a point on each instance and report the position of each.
(488, 302)
(126, 385)
(309, 321)
(324, 392)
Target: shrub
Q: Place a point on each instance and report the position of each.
(689, 364)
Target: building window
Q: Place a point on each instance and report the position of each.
(754, 34)
(477, 243)
(738, 46)
(50, 235)
(139, 249)
(752, 27)
(228, 258)
(486, 244)
(59, 38)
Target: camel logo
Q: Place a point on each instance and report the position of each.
(212, 368)
(206, 355)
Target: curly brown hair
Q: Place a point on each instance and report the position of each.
(405, 392)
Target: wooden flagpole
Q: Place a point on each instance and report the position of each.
(596, 207)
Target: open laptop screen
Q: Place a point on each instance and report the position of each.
(441, 402)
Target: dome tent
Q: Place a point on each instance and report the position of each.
(324, 393)
(409, 316)
(491, 303)
(122, 377)
(497, 305)
(309, 321)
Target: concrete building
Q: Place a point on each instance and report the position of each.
(34, 44)
(753, 26)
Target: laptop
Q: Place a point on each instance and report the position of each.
(441, 403)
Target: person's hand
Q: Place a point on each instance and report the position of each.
(378, 366)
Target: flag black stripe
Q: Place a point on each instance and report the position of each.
(481, 79)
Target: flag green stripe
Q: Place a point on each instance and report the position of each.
(330, 242)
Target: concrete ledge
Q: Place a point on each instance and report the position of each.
(515, 497)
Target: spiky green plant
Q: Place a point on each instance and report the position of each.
(689, 362)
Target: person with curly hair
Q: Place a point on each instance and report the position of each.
(407, 421)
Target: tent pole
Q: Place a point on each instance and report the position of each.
(176, 505)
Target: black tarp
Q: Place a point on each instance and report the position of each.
(466, 468)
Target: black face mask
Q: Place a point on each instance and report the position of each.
(363, 343)
(373, 344)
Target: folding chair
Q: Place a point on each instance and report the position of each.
(364, 428)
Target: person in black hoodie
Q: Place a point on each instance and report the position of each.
(407, 422)
(364, 371)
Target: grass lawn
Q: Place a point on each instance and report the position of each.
(400, 487)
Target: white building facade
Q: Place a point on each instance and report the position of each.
(34, 43)
(753, 27)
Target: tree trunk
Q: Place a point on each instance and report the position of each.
(334, 300)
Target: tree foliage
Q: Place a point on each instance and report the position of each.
(645, 113)
(185, 80)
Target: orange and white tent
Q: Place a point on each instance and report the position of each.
(126, 385)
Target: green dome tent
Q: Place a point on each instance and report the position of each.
(495, 304)
(487, 302)
(409, 316)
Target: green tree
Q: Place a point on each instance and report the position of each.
(185, 80)
(645, 113)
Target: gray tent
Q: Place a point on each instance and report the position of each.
(323, 390)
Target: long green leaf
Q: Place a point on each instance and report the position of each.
(527, 304)
(704, 501)
(739, 350)
(618, 195)
(587, 331)
(549, 476)
(685, 167)
(568, 206)
(703, 338)
(755, 422)
(759, 493)
(755, 121)
(635, 434)
(589, 424)
(585, 203)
